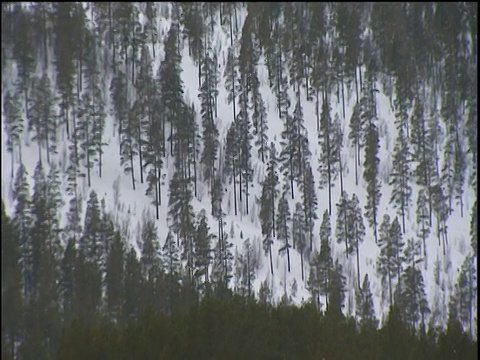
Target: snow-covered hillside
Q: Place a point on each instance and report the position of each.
(128, 205)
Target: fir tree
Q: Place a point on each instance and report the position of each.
(283, 229)
(114, 277)
(309, 202)
(12, 299)
(423, 219)
(202, 243)
(299, 232)
(365, 310)
(14, 125)
(336, 291)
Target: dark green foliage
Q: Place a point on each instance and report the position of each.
(365, 311)
(267, 204)
(14, 124)
(12, 300)
(202, 244)
(283, 227)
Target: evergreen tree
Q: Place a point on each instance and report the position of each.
(365, 310)
(299, 232)
(309, 201)
(355, 136)
(171, 257)
(336, 290)
(389, 262)
(401, 175)
(325, 260)
(181, 217)
(170, 86)
(247, 264)
(314, 279)
(203, 239)
(14, 125)
(473, 228)
(423, 219)
(231, 159)
(21, 223)
(230, 75)
(463, 299)
(89, 243)
(259, 119)
(67, 286)
(12, 299)
(330, 142)
(267, 205)
(441, 211)
(114, 277)
(65, 29)
(370, 175)
(222, 265)
(358, 232)
(282, 226)
(41, 117)
(344, 229)
(210, 131)
(150, 249)
(133, 283)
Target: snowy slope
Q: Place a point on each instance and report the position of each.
(129, 205)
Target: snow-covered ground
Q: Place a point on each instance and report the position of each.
(129, 205)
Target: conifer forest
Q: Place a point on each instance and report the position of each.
(239, 180)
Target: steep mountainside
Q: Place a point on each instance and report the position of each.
(170, 113)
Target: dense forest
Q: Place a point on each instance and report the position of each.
(86, 85)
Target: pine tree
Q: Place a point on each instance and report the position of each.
(65, 30)
(21, 223)
(389, 262)
(330, 142)
(12, 299)
(230, 169)
(365, 310)
(67, 280)
(210, 131)
(259, 119)
(336, 290)
(355, 135)
(358, 231)
(170, 85)
(282, 226)
(413, 300)
(309, 201)
(222, 265)
(133, 283)
(473, 228)
(244, 145)
(267, 204)
(370, 175)
(41, 117)
(247, 265)
(401, 175)
(325, 256)
(89, 243)
(464, 296)
(230, 76)
(114, 277)
(150, 248)
(314, 279)
(299, 233)
(344, 228)
(181, 217)
(14, 125)
(202, 243)
(423, 219)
